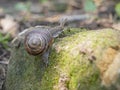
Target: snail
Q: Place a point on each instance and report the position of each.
(38, 40)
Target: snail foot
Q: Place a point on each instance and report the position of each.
(45, 57)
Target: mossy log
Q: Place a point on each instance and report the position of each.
(79, 60)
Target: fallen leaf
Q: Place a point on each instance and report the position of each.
(9, 26)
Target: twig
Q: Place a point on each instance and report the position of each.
(4, 62)
(70, 18)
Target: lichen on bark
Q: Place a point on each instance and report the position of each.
(72, 63)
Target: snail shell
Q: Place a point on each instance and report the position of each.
(37, 41)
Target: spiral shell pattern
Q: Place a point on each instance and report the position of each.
(37, 41)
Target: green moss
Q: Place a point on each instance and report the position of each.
(4, 40)
(27, 72)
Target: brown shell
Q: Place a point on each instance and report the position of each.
(37, 41)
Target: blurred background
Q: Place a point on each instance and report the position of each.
(17, 15)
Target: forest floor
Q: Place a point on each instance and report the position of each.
(16, 15)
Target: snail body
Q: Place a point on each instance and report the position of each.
(37, 41)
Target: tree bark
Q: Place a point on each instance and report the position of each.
(77, 61)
